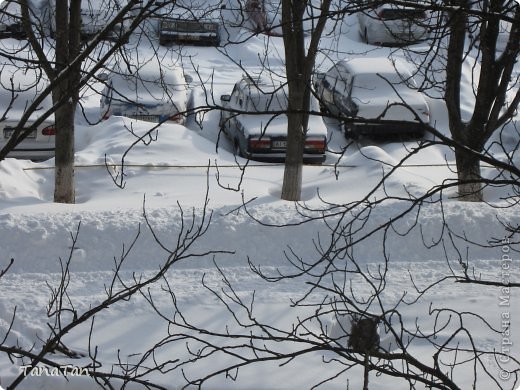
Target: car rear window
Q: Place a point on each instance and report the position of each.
(377, 83)
(268, 102)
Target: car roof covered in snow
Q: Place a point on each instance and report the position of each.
(374, 65)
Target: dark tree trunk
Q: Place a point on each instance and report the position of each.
(292, 26)
(68, 30)
(469, 177)
(64, 161)
(292, 177)
(298, 66)
(491, 109)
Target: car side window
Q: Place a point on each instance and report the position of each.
(235, 94)
(348, 83)
(330, 82)
(108, 94)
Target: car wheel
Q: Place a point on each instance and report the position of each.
(237, 150)
(349, 130)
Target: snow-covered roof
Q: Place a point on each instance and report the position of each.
(373, 65)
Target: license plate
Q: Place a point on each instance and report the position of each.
(147, 118)
(279, 144)
(169, 25)
(8, 132)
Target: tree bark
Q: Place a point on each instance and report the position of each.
(64, 191)
(469, 176)
(68, 32)
(295, 61)
(292, 176)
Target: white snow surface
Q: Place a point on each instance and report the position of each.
(169, 180)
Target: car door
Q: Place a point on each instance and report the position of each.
(105, 101)
(237, 102)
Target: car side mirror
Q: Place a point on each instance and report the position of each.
(225, 98)
(326, 84)
(188, 78)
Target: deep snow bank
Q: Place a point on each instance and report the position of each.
(38, 241)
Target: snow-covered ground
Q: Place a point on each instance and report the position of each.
(176, 174)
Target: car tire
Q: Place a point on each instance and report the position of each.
(236, 149)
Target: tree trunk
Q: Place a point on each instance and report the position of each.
(68, 31)
(292, 176)
(295, 66)
(64, 161)
(469, 177)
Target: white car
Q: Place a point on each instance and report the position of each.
(391, 24)
(15, 98)
(371, 97)
(192, 22)
(95, 15)
(259, 135)
(149, 94)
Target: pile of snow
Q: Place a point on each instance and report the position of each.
(168, 175)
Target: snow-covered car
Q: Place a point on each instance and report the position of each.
(147, 94)
(11, 20)
(391, 24)
(19, 88)
(194, 22)
(376, 89)
(253, 119)
(95, 16)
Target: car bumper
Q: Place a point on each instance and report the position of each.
(41, 154)
(210, 39)
(308, 158)
(408, 128)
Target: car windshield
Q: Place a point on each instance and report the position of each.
(274, 101)
(133, 88)
(18, 90)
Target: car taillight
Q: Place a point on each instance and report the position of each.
(49, 130)
(176, 118)
(262, 143)
(316, 145)
(381, 14)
